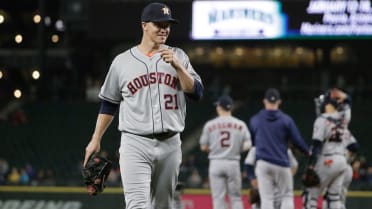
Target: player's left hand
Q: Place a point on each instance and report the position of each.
(254, 183)
(95, 173)
(93, 147)
(168, 56)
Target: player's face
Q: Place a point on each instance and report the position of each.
(272, 106)
(157, 32)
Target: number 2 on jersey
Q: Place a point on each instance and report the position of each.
(225, 138)
(171, 102)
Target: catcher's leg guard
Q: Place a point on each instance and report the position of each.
(343, 197)
(326, 201)
(309, 201)
(334, 201)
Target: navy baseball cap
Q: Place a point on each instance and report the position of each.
(157, 12)
(225, 102)
(272, 95)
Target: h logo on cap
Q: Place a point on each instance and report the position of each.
(157, 12)
(165, 10)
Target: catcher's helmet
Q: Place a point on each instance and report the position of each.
(322, 100)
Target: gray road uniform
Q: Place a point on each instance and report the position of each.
(331, 162)
(251, 160)
(344, 111)
(225, 136)
(152, 114)
(347, 176)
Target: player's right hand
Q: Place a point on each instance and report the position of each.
(168, 56)
(93, 147)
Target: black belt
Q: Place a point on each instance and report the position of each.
(330, 154)
(159, 136)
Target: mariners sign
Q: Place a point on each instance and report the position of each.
(237, 20)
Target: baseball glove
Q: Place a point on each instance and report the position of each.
(254, 196)
(95, 173)
(310, 178)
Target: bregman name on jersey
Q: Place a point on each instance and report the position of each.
(152, 78)
(227, 125)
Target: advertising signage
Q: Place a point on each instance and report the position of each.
(273, 19)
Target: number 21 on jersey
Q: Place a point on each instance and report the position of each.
(171, 102)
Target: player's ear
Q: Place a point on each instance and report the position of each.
(143, 24)
(218, 108)
(279, 102)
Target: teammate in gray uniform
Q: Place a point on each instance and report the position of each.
(225, 137)
(250, 162)
(330, 137)
(149, 83)
(344, 110)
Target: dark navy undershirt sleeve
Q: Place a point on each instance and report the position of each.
(353, 147)
(198, 91)
(108, 108)
(315, 150)
(250, 172)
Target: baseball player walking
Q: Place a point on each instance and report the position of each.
(271, 131)
(225, 137)
(148, 84)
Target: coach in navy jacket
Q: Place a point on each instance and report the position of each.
(271, 131)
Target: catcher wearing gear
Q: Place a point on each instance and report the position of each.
(344, 101)
(330, 137)
(95, 173)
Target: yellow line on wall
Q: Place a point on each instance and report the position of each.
(45, 189)
(119, 190)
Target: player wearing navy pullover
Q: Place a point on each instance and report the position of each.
(271, 131)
